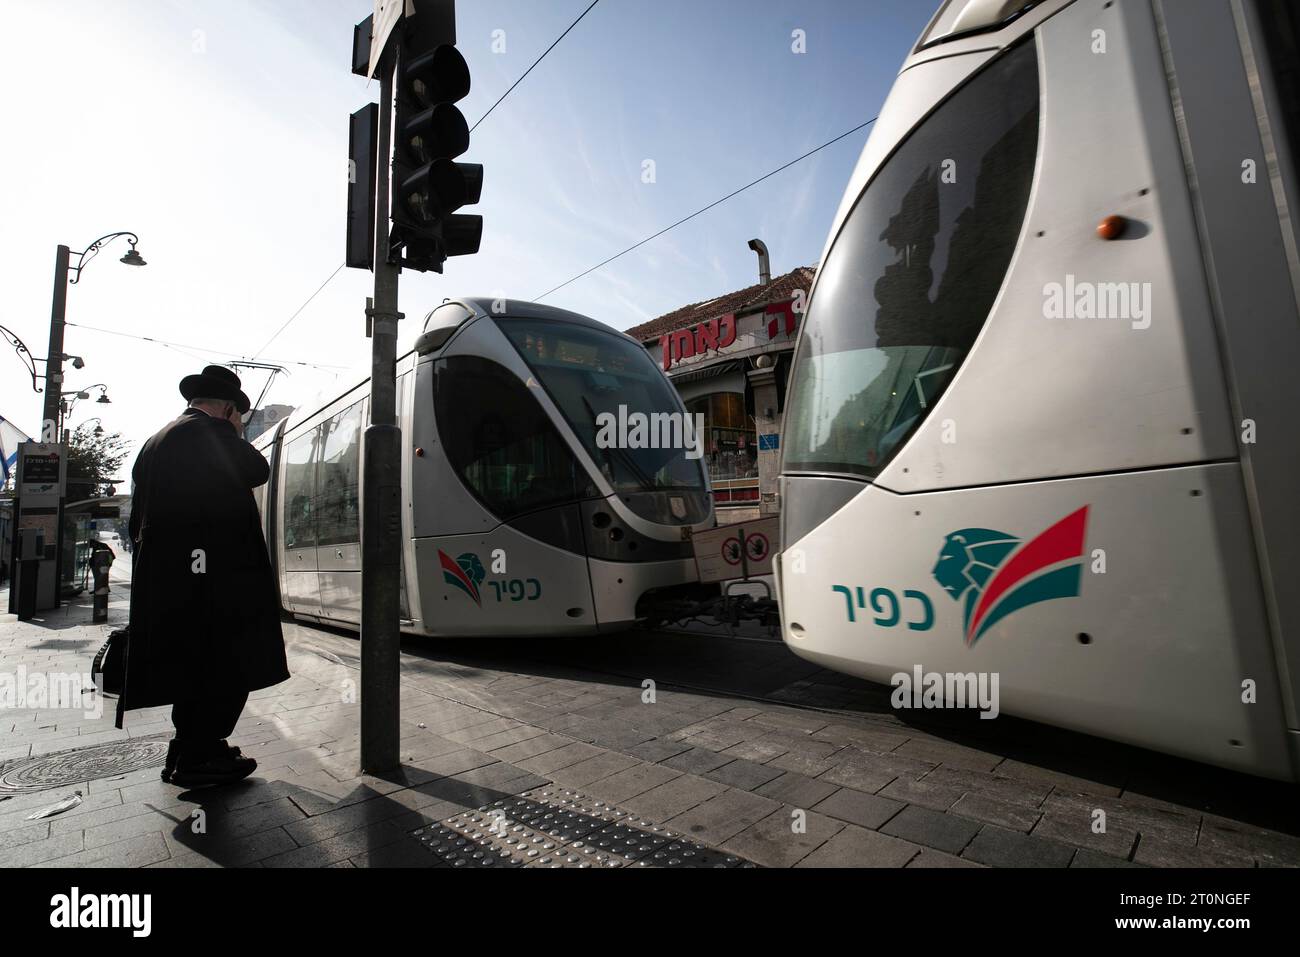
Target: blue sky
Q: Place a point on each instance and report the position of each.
(218, 132)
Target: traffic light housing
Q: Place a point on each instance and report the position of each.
(363, 134)
(429, 133)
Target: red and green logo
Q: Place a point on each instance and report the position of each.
(994, 574)
(465, 572)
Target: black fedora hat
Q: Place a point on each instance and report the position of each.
(216, 382)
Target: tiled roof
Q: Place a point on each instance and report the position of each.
(779, 289)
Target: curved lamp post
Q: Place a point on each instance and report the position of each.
(67, 275)
(132, 258)
(66, 407)
(99, 428)
(29, 360)
(24, 353)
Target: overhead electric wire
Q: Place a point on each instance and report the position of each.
(299, 310)
(705, 209)
(265, 389)
(181, 347)
(535, 62)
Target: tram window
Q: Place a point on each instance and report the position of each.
(913, 273)
(404, 603)
(300, 490)
(588, 372)
(1282, 36)
(338, 516)
(499, 440)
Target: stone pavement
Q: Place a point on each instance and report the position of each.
(510, 747)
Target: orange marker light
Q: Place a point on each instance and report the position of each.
(419, 453)
(1112, 227)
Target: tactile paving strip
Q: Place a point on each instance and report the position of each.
(557, 827)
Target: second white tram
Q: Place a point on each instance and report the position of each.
(1043, 407)
(515, 520)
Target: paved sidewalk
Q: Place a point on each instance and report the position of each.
(550, 764)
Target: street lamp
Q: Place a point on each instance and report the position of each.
(97, 431)
(132, 258)
(66, 407)
(67, 275)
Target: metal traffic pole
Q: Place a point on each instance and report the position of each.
(54, 362)
(53, 395)
(381, 475)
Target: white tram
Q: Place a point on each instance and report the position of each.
(1043, 414)
(514, 520)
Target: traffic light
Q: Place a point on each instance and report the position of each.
(429, 132)
(363, 132)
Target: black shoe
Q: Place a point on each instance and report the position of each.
(221, 769)
(169, 767)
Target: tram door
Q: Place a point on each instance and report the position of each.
(338, 514)
(300, 586)
(267, 497)
(498, 528)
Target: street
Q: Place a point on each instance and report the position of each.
(555, 753)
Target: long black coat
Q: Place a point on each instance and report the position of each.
(205, 617)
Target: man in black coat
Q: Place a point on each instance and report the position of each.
(205, 609)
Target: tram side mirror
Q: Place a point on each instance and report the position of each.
(433, 340)
(440, 324)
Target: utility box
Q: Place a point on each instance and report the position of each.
(38, 512)
(31, 544)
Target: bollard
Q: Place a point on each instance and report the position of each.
(100, 563)
(27, 573)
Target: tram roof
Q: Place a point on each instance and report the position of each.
(522, 309)
(480, 307)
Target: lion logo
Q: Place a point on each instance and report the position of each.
(994, 573)
(465, 572)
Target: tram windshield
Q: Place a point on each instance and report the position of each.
(588, 373)
(913, 273)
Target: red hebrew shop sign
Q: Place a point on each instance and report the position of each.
(695, 342)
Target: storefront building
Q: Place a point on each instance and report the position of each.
(729, 359)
